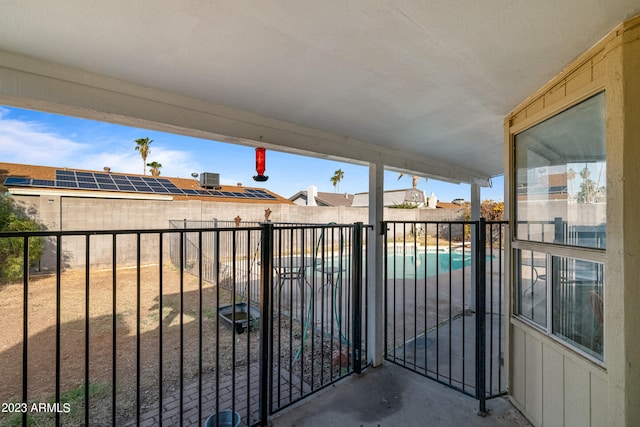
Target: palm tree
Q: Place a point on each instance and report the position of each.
(143, 147)
(154, 168)
(336, 178)
(571, 174)
(414, 179)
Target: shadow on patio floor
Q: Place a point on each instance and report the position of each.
(393, 396)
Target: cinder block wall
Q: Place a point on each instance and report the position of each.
(74, 213)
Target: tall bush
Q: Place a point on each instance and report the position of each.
(489, 210)
(12, 218)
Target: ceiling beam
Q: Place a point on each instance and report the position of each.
(45, 86)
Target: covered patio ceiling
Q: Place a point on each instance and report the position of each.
(419, 86)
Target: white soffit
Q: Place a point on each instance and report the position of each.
(422, 84)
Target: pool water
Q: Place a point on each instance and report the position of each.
(426, 264)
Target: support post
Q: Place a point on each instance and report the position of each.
(266, 277)
(356, 290)
(475, 216)
(481, 319)
(375, 242)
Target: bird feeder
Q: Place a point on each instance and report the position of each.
(261, 158)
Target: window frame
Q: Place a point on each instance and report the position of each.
(550, 250)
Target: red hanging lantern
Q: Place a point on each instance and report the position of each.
(261, 158)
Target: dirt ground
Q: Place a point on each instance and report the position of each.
(134, 306)
(41, 345)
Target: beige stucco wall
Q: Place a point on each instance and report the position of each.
(73, 213)
(550, 383)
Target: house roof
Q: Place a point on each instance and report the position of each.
(447, 205)
(326, 199)
(226, 193)
(393, 197)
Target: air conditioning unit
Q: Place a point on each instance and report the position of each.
(210, 180)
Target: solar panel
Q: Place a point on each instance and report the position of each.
(107, 186)
(43, 183)
(109, 182)
(106, 180)
(87, 185)
(14, 180)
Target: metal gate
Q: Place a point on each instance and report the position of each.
(443, 303)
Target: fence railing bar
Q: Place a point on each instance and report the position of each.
(25, 324)
(200, 316)
(58, 319)
(114, 330)
(415, 295)
(437, 300)
(138, 285)
(233, 322)
(160, 326)
(451, 307)
(217, 353)
(266, 348)
(481, 320)
(181, 352)
(87, 318)
(357, 297)
(491, 292)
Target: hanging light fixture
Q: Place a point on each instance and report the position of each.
(261, 158)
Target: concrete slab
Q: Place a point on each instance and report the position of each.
(391, 396)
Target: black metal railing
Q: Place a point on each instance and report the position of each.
(162, 342)
(438, 277)
(316, 309)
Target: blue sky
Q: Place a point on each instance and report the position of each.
(45, 139)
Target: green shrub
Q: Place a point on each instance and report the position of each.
(13, 218)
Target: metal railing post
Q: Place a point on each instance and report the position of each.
(356, 290)
(266, 276)
(481, 337)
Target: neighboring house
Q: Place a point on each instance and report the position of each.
(446, 205)
(393, 198)
(302, 198)
(29, 180)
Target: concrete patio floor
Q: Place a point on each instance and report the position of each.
(391, 396)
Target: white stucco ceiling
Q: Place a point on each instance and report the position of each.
(430, 79)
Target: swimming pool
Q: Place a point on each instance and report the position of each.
(427, 263)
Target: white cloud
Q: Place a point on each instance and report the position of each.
(30, 143)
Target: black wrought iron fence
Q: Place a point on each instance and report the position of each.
(152, 342)
(438, 277)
